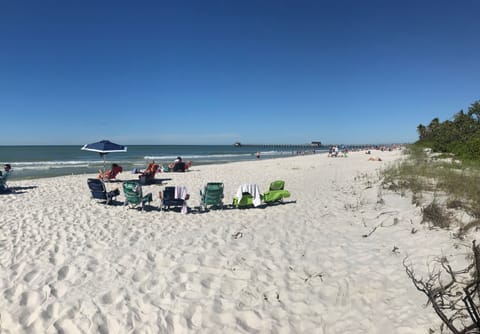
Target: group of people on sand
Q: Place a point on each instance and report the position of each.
(176, 166)
(150, 171)
(334, 151)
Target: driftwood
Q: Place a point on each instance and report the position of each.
(455, 301)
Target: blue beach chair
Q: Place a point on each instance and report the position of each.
(98, 191)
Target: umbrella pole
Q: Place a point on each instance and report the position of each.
(103, 156)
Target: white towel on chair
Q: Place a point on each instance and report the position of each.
(253, 190)
(181, 192)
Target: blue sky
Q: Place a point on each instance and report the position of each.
(216, 72)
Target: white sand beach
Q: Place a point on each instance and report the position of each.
(69, 264)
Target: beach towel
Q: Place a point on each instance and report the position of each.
(181, 193)
(253, 190)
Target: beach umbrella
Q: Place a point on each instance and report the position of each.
(103, 147)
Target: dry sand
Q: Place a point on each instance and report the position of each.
(71, 265)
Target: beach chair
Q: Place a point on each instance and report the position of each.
(248, 195)
(276, 192)
(3, 187)
(134, 196)
(175, 197)
(246, 201)
(98, 191)
(212, 195)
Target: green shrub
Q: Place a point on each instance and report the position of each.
(472, 149)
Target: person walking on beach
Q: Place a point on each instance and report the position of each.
(257, 155)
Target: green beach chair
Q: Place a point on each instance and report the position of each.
(276, 193)
(245, 202)
(134, 196)
(212, 195)
(248, 195)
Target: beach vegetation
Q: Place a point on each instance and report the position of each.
(459, 136)
(425, 175)
(442, 173)
(446, 160)
(434, 214)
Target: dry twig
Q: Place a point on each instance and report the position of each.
(455, 300)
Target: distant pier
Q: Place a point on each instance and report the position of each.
(310, 145)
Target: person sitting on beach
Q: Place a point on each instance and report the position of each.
(176, 161)
(330, 151)
(151, 170)
(7, 170)
(188, 165)
(3, 178)
(177, 165)
(110, 174)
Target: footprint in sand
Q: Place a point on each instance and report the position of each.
(52, 311)
(107, 298)
(248, 297)
(139, 276)
(151, 256)
(134, 239)
(56, 258)
(66, 326)
(343, 292)
(17, 268)
(59, 289)
(13, 293)
(27, 316)
(112, 297)
(62, 273)
(92, 265)
(248, 321)
(30, 276)
(193, 316)
(30, 299)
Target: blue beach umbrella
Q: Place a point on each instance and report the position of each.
(103, 147)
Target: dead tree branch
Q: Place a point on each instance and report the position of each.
(455, 296)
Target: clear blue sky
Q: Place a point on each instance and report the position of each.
(216, 72)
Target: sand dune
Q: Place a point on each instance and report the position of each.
(71, 265)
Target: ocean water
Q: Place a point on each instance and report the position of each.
(46, 161)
